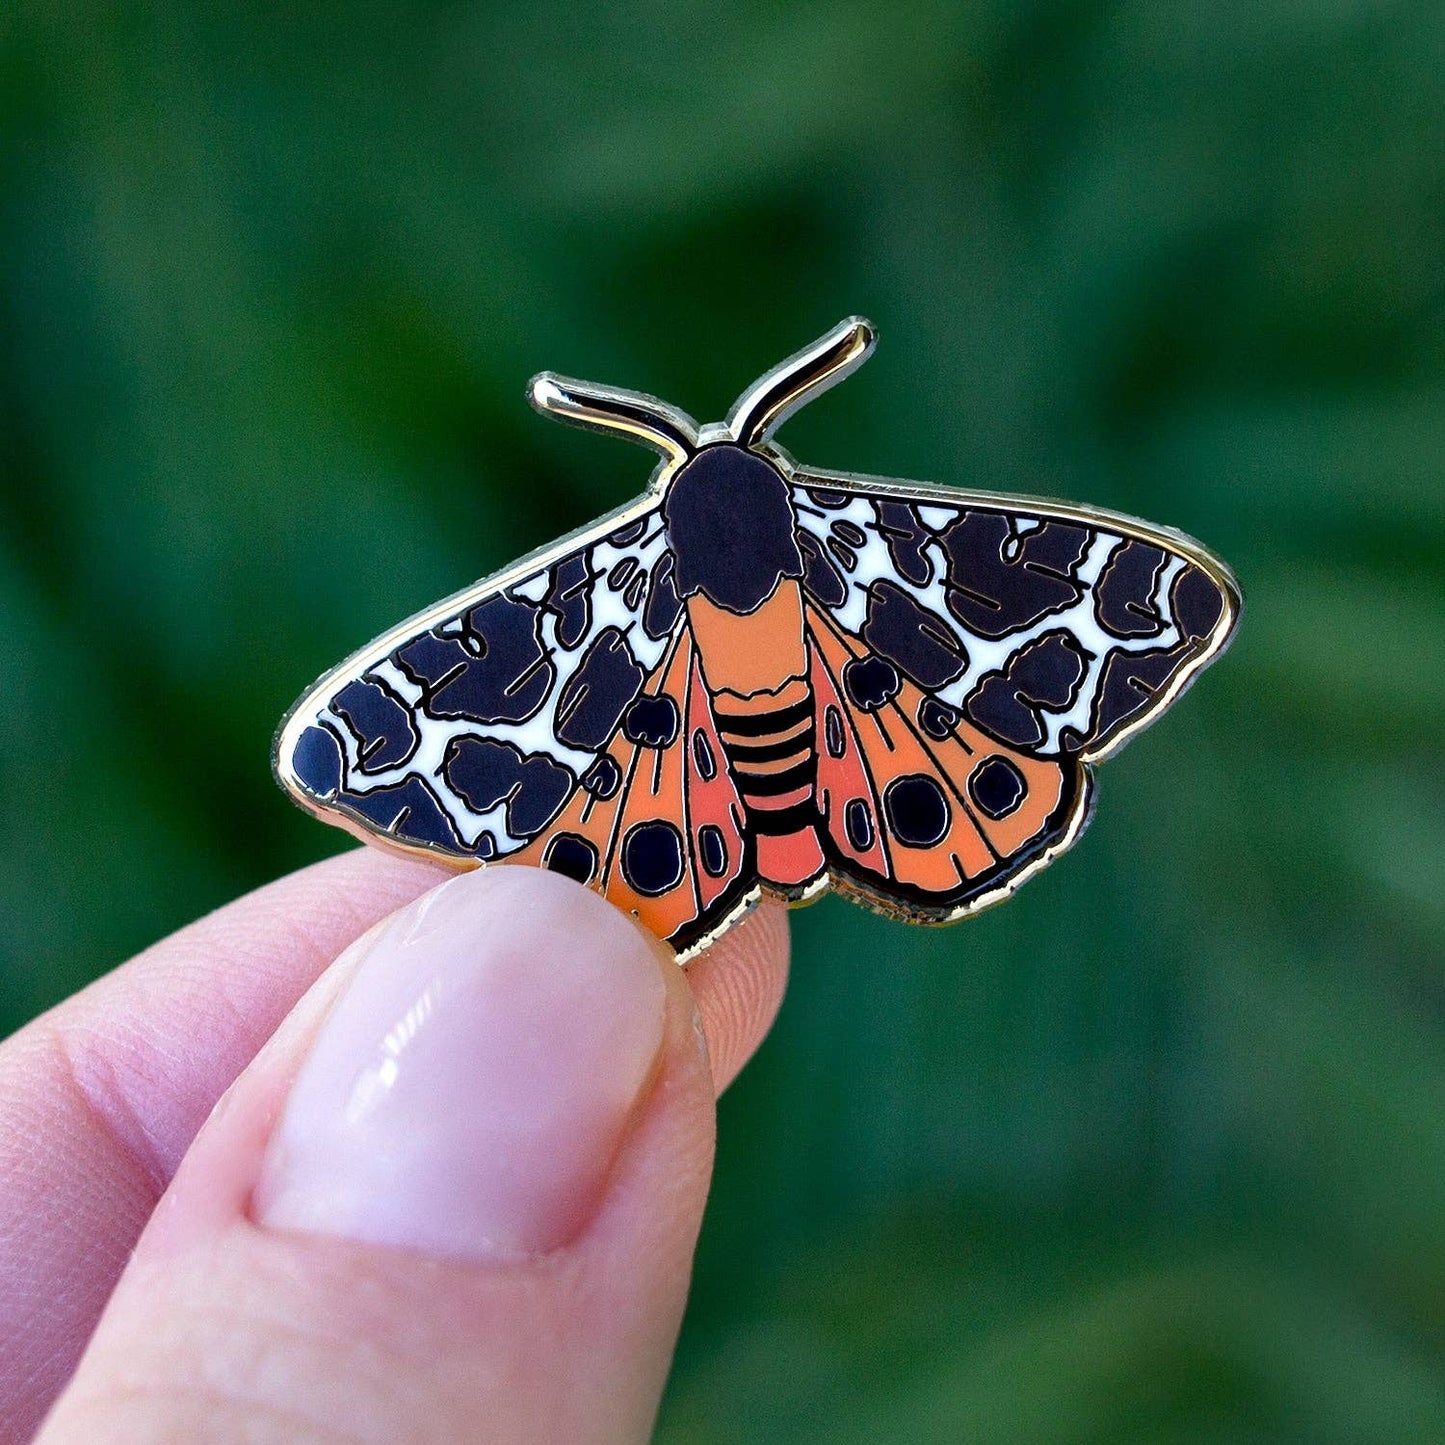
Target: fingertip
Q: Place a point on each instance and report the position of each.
(490, 1137)
(739, 985)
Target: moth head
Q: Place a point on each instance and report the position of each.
(755, 416)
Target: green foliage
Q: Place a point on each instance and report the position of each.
(1154, 1153)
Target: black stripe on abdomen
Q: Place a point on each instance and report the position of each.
(774, 763)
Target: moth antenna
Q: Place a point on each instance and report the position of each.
(773, 398)
(632, 414)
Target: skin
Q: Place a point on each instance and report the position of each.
(141, 1299)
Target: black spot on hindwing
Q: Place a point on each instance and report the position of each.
(603, 778)
(937, 719)
(651, 721)
(702, 756)
(858, 824)
(997, 787)
(652, 857)
(916, 810)
(870, 682)
(571, 855)
(712, 850)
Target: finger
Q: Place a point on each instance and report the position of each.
(100, 1098)
(739, 984)
(475, 1216)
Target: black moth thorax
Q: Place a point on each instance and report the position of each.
(731, 528)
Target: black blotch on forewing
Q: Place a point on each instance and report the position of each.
(823, 497)
(834, 738)
(1124, 594)
(484, 772)
(712, 850)
(383, 727)
(506, 676)
(923, 645)
(603, 778)
(1197, 603)
(663, 603)
(652, 857)
(997, 787)
(1045, 675)
(410, 813)
(651, 722)
(916, 810)
(1129, 681)
(571, 855)
(317, 761)
(820, 576)
(431, 659)
(597, 694)
(870, 682)
(570, 598)
(995, 588)
(730, 525)
(906, 537)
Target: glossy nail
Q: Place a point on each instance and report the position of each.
(471, 1088)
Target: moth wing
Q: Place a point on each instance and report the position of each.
(922, 813)
(658, 828)
(1058, 631)
(463, 732)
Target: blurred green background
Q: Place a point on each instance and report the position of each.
(1157, 1151)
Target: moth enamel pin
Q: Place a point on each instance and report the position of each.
(759, 677)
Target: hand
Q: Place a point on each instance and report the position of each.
(450, 1190)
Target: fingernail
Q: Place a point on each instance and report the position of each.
(470, 1089)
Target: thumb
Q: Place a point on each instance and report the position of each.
(456, 1195)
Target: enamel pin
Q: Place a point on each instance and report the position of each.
(759, 677)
